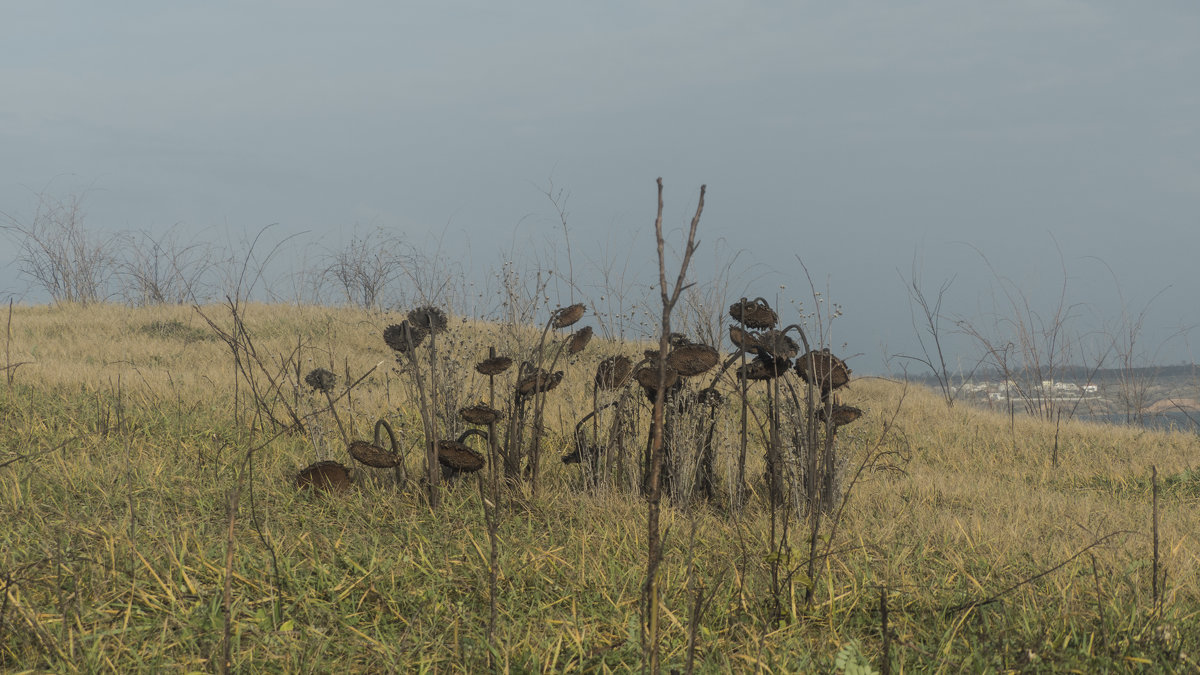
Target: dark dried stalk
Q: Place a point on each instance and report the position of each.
(650, 628)
(492, 514)
(744, 383)
(539, 406)
(227, 594)
(428, 422)
(885, 660)
(1154, 527)
(337, 418)
(434, 473)
(9, 367)
(1099, 602)
(248, 365)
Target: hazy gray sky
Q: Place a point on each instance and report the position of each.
(853, 134)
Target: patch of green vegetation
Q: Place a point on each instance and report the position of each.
(174, 329)
(1183, 484)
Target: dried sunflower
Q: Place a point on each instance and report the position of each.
(764, 368)
(457, 456)
(494, 365)
(326, 476)
(373, 455)
(693, 359)
(579, 340)
(742, 339)
(829, 372)
(401, 336)
(567, 316)
(754, 313)
(321, 380)
(647, 376)
(480, 414)
(539, 381)
(613, 372)
(778, 344)
(428, 318)
(842, 414)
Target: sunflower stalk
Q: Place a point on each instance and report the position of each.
(651, 605)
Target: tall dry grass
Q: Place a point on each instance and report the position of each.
(120, 448)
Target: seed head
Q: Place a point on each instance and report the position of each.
(754, 313)
(693, 359)
(567, 316)
(325, 476)
(579, 340)
(494, 365)
(613, 372)
(480, 414)
(372, 455)
(321, 380)
(828, 371)
(403, 335)
(457, 456)
(428, 318)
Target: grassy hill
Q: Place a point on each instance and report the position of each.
(141, 536)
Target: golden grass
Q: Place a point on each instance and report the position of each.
(114, 557)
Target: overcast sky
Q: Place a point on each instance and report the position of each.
(855, 135)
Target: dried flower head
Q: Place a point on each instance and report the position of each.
(539, 381)
(321, 380)
(710, 396)
(373, 455)
(742, 339)
(457, 456)
(567, 316)
(693, 359)
(591, 452)
(754, 313)
(579, 340)
(428, 318)
(764, 368)
(324, 476)
(403, 336)
(494, 365)
(828, 371)
(614, 372)
(842, 414)
(778, 344)
(647, 376)
(480, 414)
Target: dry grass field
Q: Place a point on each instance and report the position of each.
(124, 435)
